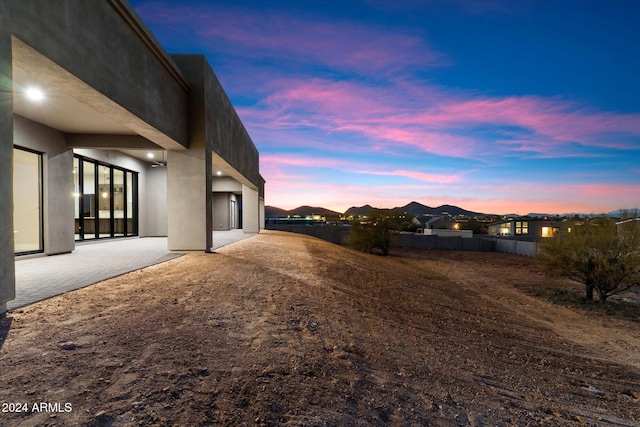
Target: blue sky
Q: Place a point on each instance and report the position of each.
(494, 106)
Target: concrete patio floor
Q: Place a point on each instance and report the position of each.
(92, 262)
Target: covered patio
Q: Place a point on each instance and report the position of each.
(92, 262)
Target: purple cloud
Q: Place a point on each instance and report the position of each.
(442, 124)
(345, 96)
(338, 44)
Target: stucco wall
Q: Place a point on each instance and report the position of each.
(58, 206)
(154, 222)
(186, 191)
(217, 120)
(100, 53)
(221, 220)
(58, 184)
(250, 210)
(261, 213)
(59, 237)
(113, 157)
(105, 45)
(7, 267)
(230, 138)
(226, 184)
(517, 247)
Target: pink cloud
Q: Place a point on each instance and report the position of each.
(340, 101)
(527, 197)
(341, 44)
(337, 108)
(291, 160)
(400, 113)
(559, 120)
(443, 123)
(272, 163)
(289, 193)
(391, 138)
(390, 114)
(609, 191)
(420, 176)
(288, 187)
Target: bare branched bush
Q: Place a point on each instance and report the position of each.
(600, 253)
(373, 233)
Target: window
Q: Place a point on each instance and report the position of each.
(118, 202)
(505, 229)
(549, 231)
(27, 202)
(131, 196)
(106, 200)
(522, 227)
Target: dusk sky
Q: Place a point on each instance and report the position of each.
(495, 106)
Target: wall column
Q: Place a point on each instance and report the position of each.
(261, 213)
(186, 199)
(208, 198)
(250, 210)
(59, 206)
(7, 258)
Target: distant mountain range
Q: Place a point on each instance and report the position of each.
(413, 208)
(274, 212)
(417, 209)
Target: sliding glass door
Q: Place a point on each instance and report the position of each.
(27, 202)
(118, 203)
(131, 208)
(88, 200)
(106, 203)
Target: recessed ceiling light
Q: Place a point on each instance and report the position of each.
(34, 94)
(150, 155)
(218, 173)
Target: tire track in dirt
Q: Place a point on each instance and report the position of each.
(606, 343)
(284, 329)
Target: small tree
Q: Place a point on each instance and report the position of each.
(475, 226)
(372, 233)
(603, 255)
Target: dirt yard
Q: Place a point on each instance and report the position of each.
(284, 329)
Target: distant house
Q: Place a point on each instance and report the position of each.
(465, 234)
(303, 215)
(437, 223)
(525, 229)
(440, 226)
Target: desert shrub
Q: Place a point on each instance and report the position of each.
(599, 253)
(373, 233)
(475, 226)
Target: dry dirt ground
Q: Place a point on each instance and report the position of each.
(284, 329)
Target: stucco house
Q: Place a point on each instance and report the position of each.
(525, 229)
(437, 223)
(105, 135)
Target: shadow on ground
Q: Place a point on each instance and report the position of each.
(5, 326)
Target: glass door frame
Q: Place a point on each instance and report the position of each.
(96, 164)
(40, 201)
